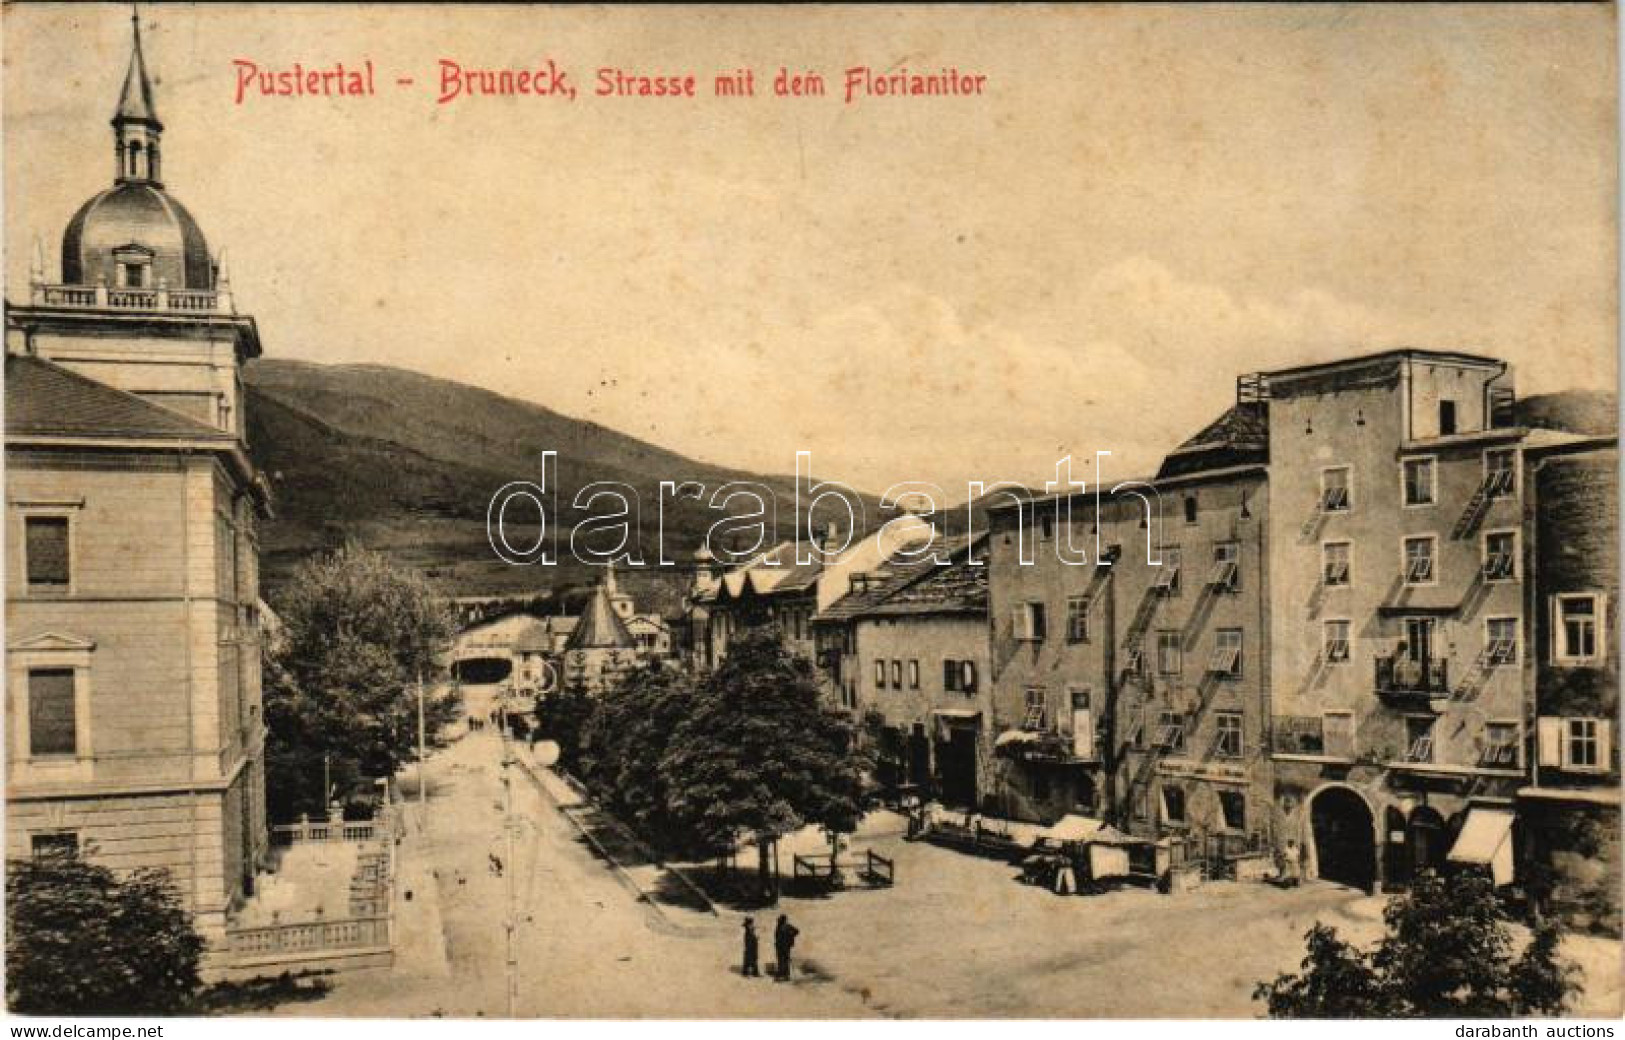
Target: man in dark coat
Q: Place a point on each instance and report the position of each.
(750, 969)
(784, 940)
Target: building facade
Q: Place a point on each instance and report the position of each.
(133, 627)
(908, 647)
(1400, 641)
(1132, 682)
(1570, 808)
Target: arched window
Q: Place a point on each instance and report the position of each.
(135, 159)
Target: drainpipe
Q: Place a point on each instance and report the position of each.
(186, 664)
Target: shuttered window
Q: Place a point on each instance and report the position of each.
(46, 549)
(51, 721)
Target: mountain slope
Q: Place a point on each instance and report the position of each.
(408, 463)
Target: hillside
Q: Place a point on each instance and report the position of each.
(407, 463)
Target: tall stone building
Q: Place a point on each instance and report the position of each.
(132, 656)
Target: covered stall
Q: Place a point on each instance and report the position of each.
(1079, 851)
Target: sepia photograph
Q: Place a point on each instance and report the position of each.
(816, 514)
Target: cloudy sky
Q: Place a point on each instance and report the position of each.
(1145, 202)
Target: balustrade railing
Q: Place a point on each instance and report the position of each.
(102, 297)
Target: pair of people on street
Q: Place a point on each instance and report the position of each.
(784, 940)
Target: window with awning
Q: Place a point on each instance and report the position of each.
(1486, 840)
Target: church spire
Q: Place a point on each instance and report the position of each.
(136, 128)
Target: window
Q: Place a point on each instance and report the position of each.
(1136, 733)
(1499, 475)
(1133, 660)
(1337, 734)
(1335, 635)
(1418, 482)
(53, 843)
(46, 548)
(1168, 576)
(1170, 731)
(1500, 745)
(1419, 739)
(1500, 642)
(1335, 490)
(880, 674)
(1173, 805)
(1029, 622)
(1576, 628)
(1233, 804)
(1582, 744)
(1226, 556)
(1447, 418)
(1190, 509)
(1500, 555)
(1419, 553)
(1227, 738)
(913, 674)
(1335, 564)
(1170, 656)
(950, 675)
(1037, 708)
(1077, 619)
(967, 676)
(52, 721)
(1083, 722)
(1226, 658)
(896, 674)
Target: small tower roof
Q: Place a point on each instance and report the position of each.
(135, 104)
(600, 627)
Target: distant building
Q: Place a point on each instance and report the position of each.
(600, 647)
(908, 646)
(773, 589)
(132, 618)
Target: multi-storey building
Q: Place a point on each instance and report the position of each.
(1133, 684)
(1570, 808)
(1401, 635)
(133, 634)
(908, 649)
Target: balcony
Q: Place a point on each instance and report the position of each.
(101, 297)
(1405, 683)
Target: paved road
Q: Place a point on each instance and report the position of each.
(587, 946)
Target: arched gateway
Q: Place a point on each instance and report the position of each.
(1345, 837)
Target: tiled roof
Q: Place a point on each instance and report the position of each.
(921, 586)
(46, 399)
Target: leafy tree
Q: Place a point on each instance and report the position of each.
(757, 756)
(357, 633)
(627, 736)
(563, 716)
(1447, 953)
(81, 941)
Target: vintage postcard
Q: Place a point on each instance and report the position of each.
(843, 512)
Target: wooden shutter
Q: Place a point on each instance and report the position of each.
(1551, 734)
(1605, 749)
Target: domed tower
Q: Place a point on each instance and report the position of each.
(142, 304)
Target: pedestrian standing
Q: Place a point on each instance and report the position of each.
(750, 969)
(784, 940)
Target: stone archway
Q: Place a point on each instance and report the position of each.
(1343, 832)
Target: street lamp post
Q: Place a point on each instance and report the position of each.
(510, 872)
(423, 789)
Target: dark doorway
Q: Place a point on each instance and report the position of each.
(956, 768)
(482, 671)
(1447, 418)
(1427, 840)
(919, 756)
(1344, 845)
